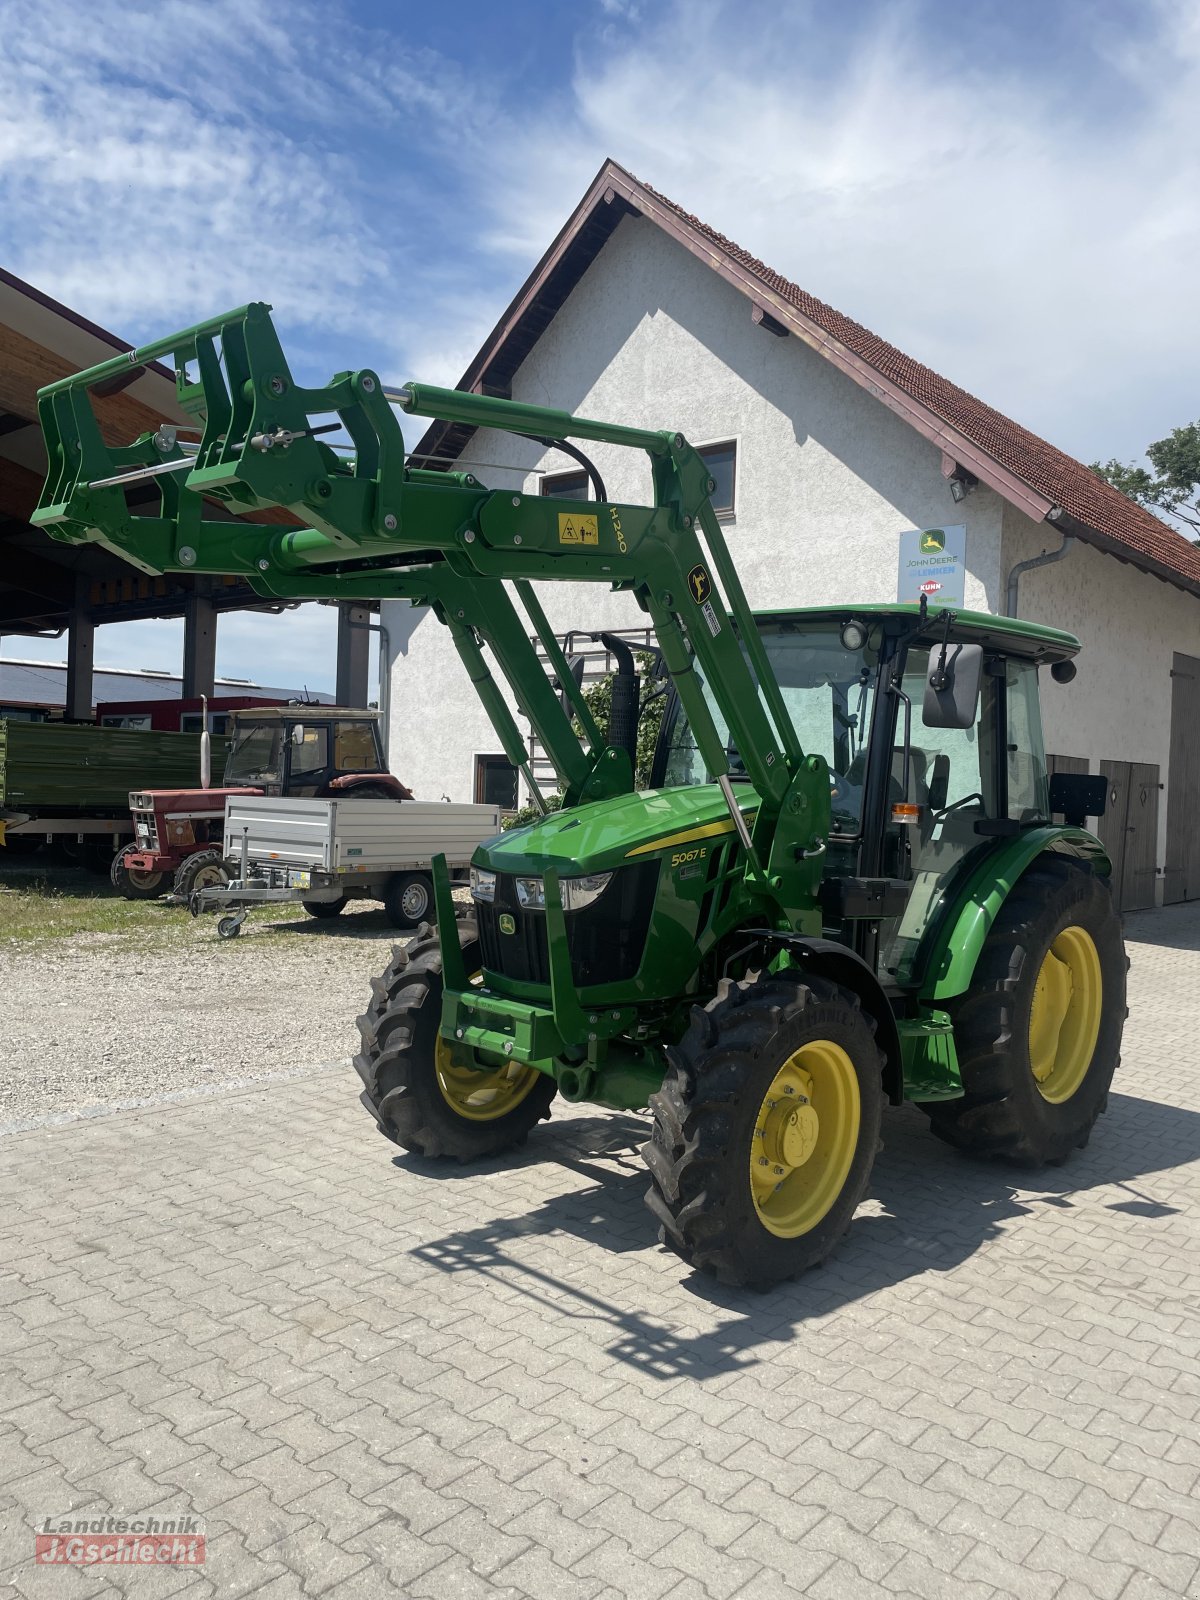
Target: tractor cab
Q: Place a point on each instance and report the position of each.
(930, 724)
(308, 750)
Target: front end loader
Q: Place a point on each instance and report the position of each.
(845, 885)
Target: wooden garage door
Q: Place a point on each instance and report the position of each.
(1183, 793)
(1129, 831)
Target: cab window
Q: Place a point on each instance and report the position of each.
(312, 754)
(354, 747)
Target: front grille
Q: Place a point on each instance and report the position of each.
(605, 939)
(145, 831)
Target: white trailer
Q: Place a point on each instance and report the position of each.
(324, 853)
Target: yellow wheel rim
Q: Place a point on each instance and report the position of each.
(1064, 1018)
(804, 1139)
(481, 1095)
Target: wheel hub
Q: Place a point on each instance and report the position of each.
(804, 1138)
(1064, 1014)
(791, 1126)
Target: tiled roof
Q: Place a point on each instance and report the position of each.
(1051, 472)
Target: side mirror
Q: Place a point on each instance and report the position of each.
(952, 685)
(298, 733)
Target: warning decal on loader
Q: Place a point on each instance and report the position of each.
(576, 529)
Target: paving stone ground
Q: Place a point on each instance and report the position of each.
(371, 1377)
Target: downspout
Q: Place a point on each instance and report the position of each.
(385, 679)
(1046, 559)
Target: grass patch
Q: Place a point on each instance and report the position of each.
(59, 904)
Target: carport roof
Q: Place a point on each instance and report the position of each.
(42, 582)
(1041, 480)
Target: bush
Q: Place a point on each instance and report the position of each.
(599, 702)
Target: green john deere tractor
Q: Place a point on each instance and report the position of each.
(844, 885)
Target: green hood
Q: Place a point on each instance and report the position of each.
(608, 833)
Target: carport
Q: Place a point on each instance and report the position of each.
(50, 589)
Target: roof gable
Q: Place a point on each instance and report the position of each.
(1041, 480)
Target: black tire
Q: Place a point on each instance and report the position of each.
(325, 910)
(204, 870)
(397, 1063)
(132, 884)
(706, 1121)
(1004, 1113)
(408, 899)
(369, 791)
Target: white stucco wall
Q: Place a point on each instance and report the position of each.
(827, 476)
(1129, 624)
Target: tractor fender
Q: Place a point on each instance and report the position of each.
(957, 937)
(350, 781)
(842, 966)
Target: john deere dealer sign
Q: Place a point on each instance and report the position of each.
(933, 563)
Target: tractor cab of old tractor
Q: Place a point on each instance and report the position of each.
(310, 750)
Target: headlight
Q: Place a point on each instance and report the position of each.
(483, 884)
(580, 892)
(576, 892)
(531, 893)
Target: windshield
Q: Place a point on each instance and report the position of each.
(254, 759)
(829, 692)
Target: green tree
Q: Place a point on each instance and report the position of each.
(1174, 484)
(598, 696)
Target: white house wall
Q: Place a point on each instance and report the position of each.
(1129, 625)
(827, 475)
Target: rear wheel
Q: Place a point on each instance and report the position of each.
(1039, 1033)
(766, 1128)
(325, 910)
(132, 883)
(421, 1094)
(205, 870)
(408, 899)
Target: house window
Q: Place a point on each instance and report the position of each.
(495, 782)
(721, 461)
(566, 485)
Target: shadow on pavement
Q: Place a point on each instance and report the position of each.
(932, 1209)
(1169, 928)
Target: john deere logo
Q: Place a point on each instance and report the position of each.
(933, 541)
(507, 924)
(700, 585)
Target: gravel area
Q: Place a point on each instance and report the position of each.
(108, 1019)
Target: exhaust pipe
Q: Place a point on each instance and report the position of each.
(205, 746)
(626, 697)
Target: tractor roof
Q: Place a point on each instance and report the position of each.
(307, 712)
(1010, 636)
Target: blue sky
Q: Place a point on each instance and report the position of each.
(1007, 191)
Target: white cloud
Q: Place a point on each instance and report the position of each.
(1030, 233)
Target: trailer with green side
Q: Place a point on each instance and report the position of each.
(847, 884)
(69, 783)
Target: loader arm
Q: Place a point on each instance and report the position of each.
(376, 528)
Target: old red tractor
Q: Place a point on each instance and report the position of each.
(288, 750)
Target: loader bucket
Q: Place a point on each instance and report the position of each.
(252, 445)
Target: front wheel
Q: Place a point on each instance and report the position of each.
(421, 1094)
(132, 883)
(1039, 1032)
(766, 1128)
(204, 870)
